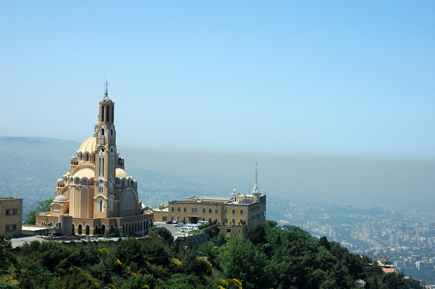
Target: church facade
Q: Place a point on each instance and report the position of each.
(96, 191)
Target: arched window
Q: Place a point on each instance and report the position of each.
(127, 201)
(100, 204)
(111, 205)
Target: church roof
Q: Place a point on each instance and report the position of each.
(106, 99)
(88, 173)
(120, 173)
(89, 145)
(60, 198)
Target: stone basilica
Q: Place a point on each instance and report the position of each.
(96, 191)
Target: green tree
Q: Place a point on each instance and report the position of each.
(41, 207)
(6, 257)
(163, 232)
(246, 263)
(257, 234)
(271, 224)
(207, 249)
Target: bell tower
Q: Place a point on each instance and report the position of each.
(106, 153)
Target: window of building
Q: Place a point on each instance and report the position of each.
(178, 209)
(111, 205)
(241, 212)
(11, 212)
(228, 230)
(234, 221)
(184, 209)
(216, 211)
(56, 208)
(172, 209)
(100, 205)
(209, 220)
(7, 228)
(215, 220)
(226, 211)
(172, 218)
(234, 211)
(127, 201)
(194, 210)
(209, 211)
(14, 227)
(203, 210)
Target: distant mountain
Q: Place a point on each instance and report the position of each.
(30, 168)
(40, 147)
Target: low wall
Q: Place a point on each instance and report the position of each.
(196, 239)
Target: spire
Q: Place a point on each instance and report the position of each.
(106, 91)
(255, 190)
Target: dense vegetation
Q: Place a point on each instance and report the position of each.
(269, 258)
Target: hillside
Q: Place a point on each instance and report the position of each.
(268, 258)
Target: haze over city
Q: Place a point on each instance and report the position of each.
(334, 99)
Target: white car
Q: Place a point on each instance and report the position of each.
(185, 229)
(192, 227)
(179, 224)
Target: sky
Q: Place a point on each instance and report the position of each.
(339, 78)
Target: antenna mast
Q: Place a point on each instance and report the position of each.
(256, 163)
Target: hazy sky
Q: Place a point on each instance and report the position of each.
(353, 78)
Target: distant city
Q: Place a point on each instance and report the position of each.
(405, 237)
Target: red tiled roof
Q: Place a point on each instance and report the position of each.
(388, 270)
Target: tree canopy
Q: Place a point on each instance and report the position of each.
(276, 258)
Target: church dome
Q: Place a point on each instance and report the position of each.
(120, 173)
(106, 99)
(60, 198)
(86, 173)
(89, 145)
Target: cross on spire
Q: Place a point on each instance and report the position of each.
(107, 88)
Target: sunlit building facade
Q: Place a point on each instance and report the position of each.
(96, 191)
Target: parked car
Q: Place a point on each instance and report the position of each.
(169, 222)
(179, 224)
(192, 227)
(157, 225)
(185, 229)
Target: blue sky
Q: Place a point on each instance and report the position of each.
(352, 78)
